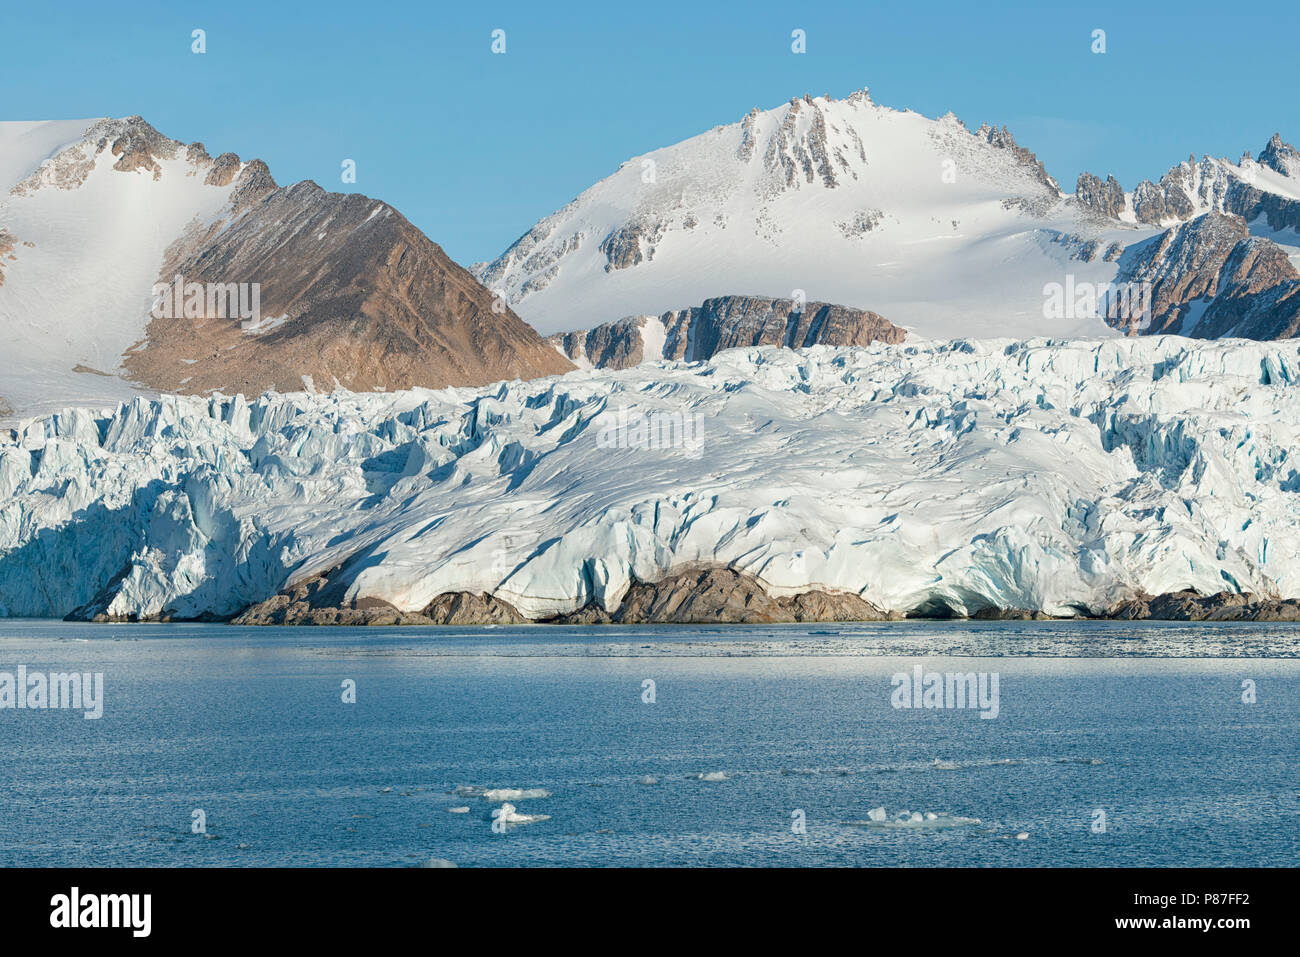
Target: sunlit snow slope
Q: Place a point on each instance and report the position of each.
(942, 230)
(1035, 474)
(87, 244)
(934, 227)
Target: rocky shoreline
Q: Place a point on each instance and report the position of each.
(707, 595)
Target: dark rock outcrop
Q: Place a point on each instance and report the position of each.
(1215, 186)
(728, 322)
(1009, 614)
(1210, 278)
(1192, 606)
(319, 601)
(694, 595)
(1104, 199)
(718, 595)
(1280, 157)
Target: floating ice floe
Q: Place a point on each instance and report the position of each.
(458, 810)
(712, 776)
(508, 814)
(515, 794)
(648, 779)
(502, 794)
(437, 862)
(879, 817)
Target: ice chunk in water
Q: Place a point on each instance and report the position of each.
(508, 814)
(515, 794)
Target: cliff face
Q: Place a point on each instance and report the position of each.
(1210, 278)
(725, 322)
(351, 294)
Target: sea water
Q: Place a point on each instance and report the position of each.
(1113, 744)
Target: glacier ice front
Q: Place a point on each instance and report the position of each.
(934, 477)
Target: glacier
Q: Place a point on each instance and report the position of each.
(930, 477)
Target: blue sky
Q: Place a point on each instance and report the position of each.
(475, 147)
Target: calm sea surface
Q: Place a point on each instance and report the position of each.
(1114, 744)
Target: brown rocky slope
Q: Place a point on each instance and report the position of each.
(351, 294)
(712, 594)
(727, 322)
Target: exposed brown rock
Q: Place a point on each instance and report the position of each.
(197, 155)
(351, 295)
(718, 595)
(463, 608)
(317, 601)
(727, 322)
(693, 595)
(631, 244)
(1192, 606)
(1009, 614)
(7, 244)
(80, 367)
(139, 147)
(1243, 285)
(224, 169)
(1103, 199)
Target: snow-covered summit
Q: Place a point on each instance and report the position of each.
(91, 207)
(941, 230)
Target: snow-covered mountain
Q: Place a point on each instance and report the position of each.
(941, 230)
(95, 213)
(933, 477)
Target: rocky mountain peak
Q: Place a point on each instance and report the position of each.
(1281, 157)
(1103, 199)
(340, 289)
(1210, 278)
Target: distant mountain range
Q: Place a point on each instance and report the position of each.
(831, 222)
